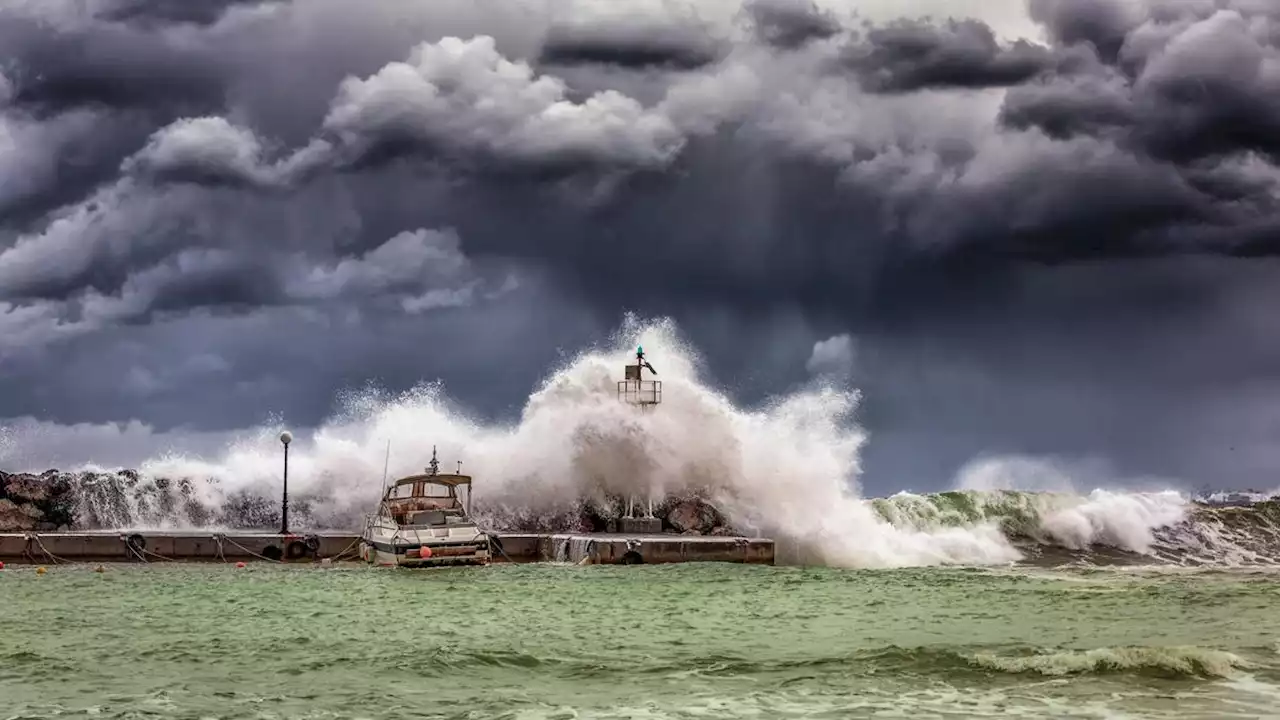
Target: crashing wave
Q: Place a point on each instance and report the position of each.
(788, 470)
(1034, 527)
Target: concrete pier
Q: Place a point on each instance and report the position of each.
(618, 549)
(160, 546)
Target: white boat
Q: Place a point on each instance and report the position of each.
(422, 522)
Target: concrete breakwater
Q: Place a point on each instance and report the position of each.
(592, 548)
(54, 517)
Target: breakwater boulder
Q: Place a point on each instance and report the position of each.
(86, 500)
(689, 514)
(36, 502)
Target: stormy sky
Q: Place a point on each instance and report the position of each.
(1022, 227)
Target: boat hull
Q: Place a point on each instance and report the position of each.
(411, 555)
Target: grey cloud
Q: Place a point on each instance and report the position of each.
(634, 42)
(1199, 85)
(272, 183)
(79, 62)
(1063, 108)
(207, 151)
(157, 13)
(911, 55)
(790, 24)
(30, 150)
(453, 102)
(833, 358)
(1103, 24)
(32, 443)
(463, 95)
(421, 270)
(417, 271)
(1213, 89)
(93, 244)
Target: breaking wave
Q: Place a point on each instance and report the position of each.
(787, 470)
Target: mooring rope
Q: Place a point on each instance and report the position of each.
(344, 550)
(217, 538)
(133, 550)
(488, 536)
(260, 557)
(156, 554)
(56, 560)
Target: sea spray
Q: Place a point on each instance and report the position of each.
(788, 469)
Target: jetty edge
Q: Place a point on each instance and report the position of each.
(205, 546)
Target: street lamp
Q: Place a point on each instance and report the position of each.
(286, 437)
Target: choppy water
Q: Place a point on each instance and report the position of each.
(691, 641)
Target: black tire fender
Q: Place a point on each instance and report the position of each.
(296, 550)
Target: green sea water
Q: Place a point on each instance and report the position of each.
(682, 641)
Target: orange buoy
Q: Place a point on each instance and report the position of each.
(41, 571)
(424, 551)
(240, 564)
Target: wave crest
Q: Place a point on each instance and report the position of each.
(788, 470)
(1172, 662)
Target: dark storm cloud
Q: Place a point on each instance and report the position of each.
(790, 24)
(913, 55)
(348, 175)
(152, 13)
(1085, 105)
(105, 66)
(1193, 79)
(1102, 24)
(626, 43)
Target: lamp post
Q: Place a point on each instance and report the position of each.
(286, 437)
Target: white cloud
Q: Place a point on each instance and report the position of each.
(208, 149)
(410, 260)
(833, 358)
(459, 93)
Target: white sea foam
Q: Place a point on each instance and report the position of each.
(788, 469)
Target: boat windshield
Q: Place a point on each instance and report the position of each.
(430, 490)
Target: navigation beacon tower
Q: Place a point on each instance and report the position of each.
(645, 395)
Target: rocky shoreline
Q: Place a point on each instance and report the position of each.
(37, 502)
(65, 501)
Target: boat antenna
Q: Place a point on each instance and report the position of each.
(386, 463)
(459, 467)
(434, 465)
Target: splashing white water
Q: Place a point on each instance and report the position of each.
(1072, 518)
(788, 470)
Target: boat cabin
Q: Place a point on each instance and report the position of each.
(430, 499)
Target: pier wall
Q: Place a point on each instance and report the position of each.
(603, 549)
(151, 546)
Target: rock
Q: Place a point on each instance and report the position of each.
(693, 515)
(15, 517)
(35, 501)
(55, 500)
